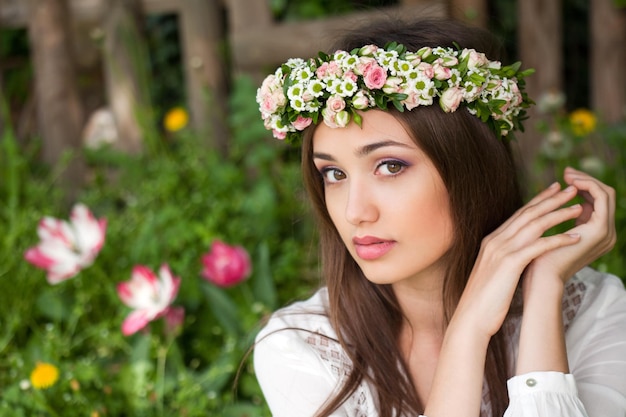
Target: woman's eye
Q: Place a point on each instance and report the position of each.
(332, 175)
(391, 167)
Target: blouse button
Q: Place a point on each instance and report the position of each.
(531, 382)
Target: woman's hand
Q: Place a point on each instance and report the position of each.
(542, 341)
(505, 254)
(595, 225)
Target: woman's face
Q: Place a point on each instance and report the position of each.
(385, 197)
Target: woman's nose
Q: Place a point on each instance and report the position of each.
(360, 206)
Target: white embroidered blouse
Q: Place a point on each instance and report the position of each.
(299, 364)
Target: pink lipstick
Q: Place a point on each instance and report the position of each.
(370, 247)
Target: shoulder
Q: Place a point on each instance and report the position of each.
(308, 316)
(302, 332)
(299, 363)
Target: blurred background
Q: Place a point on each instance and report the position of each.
(144, 111)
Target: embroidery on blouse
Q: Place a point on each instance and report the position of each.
(573, 295)
(331, 352)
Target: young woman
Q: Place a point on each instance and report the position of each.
(444, 297)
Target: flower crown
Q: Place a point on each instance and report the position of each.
(338, 85)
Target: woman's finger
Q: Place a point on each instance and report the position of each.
(598, 200)
(545, 202)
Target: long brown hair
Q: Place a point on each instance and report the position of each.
(479, 173)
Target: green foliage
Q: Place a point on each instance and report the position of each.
(161, 32)
(16, 70)
(578, 139)
(167, 206)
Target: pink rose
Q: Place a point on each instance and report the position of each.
(279, 134)
(268, 105)
(333, 69)
(302, 122)
(412, 101)
(320, 72)
(476, 59)
(441, 72)
(374, 76)
(329, 117)
(451, 99)
(268, 85)
(349, 75)
(226, 265)
(335, 103)
(272, 102)
(447, 61)
(517, 95)
(335, 120)
(364, 63)
(426, 69)
(328, 69)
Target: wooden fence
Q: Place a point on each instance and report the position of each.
(257, 43)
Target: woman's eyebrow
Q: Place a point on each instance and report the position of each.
(367, 149)
(324, 156)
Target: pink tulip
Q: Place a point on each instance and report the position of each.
(66, 248)
(149, 296)
(226, 265)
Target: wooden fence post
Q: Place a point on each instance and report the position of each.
(260, 47)
(206, 78)
(126, 75)
(540, 47)
(244, 15)
(608, 60)
(59, 108)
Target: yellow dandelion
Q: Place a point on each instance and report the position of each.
(44, 375)
(175, 119)
(583, 122)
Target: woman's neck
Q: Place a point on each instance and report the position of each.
(421, 304)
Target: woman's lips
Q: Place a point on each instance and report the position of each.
(370, 247)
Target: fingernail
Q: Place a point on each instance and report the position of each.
(576, 206)
(569, 189)
(554, 185)
(574, 235)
